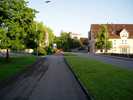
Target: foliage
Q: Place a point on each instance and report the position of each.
(102, 41)
(15, 22)
(58, 42)
(63, 41)
(18, 30)
(66, 42)
(50, 36)
(109, 44)
(75, 43)
(49, 50)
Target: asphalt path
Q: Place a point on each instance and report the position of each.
(117, 61)
(50, 79)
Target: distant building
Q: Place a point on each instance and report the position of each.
(121, 36)
(75, 35)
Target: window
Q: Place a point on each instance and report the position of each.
(122, 41)
(125, 41)
(114, 42)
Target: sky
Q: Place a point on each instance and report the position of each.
(77, 15)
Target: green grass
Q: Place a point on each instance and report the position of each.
(14, 66)
(103, 81)
(69, 54)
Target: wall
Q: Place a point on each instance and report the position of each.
(117, 44)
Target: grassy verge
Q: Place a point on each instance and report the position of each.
(15, 65)
(103, 81)
(69, 54)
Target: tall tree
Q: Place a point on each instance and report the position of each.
(65, 39)
(102, 41)
(15, 22)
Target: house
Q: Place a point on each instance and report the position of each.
(121, 36)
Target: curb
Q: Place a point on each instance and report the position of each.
(79, 82)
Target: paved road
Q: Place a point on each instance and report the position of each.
(124, 63)
(57, 83)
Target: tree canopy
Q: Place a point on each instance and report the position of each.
(65, 41)
(15, 23)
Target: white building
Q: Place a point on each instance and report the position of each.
(121, 36)
(75, 35)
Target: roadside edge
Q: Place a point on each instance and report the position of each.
(79, 82)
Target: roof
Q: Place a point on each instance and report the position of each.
(113, 29)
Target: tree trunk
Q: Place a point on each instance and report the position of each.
(7, 54)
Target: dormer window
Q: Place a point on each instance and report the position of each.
(124, 34)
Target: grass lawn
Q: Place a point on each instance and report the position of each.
(15, 65)
(69, 54)
(103, 81)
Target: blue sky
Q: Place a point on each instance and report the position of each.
(77, 15)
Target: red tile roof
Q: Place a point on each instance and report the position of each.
(113, 29)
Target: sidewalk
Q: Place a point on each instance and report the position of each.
(58, 83)
(50, 79)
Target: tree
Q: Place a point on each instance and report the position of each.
(15, 22)
(50, 36)
(41, 37)
(76, 43)
(63, 42)
(66, 42)
(58, 42)
(102, 41)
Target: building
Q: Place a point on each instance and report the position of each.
(121, 36)
(84, 41)
(75, 35)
